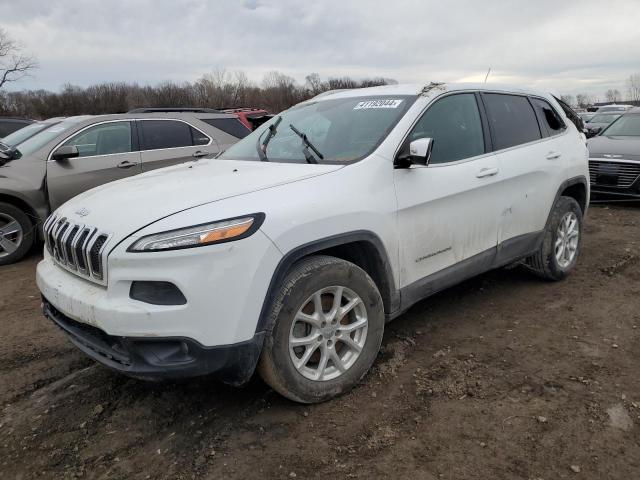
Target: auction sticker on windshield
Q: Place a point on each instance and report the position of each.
(377, 104)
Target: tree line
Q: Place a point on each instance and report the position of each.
(219, 89)
(612, 95)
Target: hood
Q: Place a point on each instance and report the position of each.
(617, 147)
(124, 206)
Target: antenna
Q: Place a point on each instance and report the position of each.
(487, 76)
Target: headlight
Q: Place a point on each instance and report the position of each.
(200, 235)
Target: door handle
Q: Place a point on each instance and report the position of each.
(487, 172)
(553, 155)
(126, 164)
(200, 154)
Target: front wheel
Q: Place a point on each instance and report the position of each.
(16, 233)
(328, 321)
(560, 248)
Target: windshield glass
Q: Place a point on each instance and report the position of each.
(343, 130)
(19, 136)
(625, 126)
(40, 139)
(606, 118)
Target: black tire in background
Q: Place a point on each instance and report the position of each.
(306, 278)
(545, 262)
(12, 246)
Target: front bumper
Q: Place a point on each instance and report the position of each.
(160, 358)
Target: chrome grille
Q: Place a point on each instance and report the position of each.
(625, 173)
(76, 247)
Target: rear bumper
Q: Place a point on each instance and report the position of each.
(160, 357)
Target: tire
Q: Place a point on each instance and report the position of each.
(312, 280)
(16, 234)
(546, 263)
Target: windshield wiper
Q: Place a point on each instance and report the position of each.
(262, 146)
(307, 145)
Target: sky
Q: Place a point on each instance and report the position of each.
(563, 46)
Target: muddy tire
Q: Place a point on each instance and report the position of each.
(16, 234)
(328, 321)
(562, 242)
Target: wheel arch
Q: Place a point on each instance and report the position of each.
(576, 188)
(22, 205)
(362, 248)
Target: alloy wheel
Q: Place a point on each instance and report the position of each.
(11, 235)
(328, 333)
(567, 237)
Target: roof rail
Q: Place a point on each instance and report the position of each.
(174, 110)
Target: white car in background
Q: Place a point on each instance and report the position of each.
(291, 250)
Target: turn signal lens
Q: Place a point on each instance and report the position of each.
(199, 235)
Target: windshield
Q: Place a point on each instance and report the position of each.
(343, 130)
(606, 118)
(625, 126)
(19, 136)
(40, 139)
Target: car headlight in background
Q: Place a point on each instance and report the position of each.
(200, 235)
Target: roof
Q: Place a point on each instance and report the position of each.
(426, 88)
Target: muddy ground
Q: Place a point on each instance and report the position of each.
(504, 376)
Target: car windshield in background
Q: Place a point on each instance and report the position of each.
(604, 118)
(19, 136)
(625, 126)
(343, 130)
(39, 140)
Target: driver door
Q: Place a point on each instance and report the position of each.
(108, 152)
(448, 211)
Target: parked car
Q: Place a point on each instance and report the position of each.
(599, 122)
(252, 118)
(78, 153)
(9, 125)
(614, 108)
(614, 159)
(292, 249)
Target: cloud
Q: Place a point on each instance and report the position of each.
(563, 46)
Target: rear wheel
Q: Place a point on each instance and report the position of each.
(562, 242)
(328, 322)
(16, 234)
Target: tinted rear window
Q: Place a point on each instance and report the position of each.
(232, 126)
(512, 120)
(158, 134)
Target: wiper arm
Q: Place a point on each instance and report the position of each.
(261, 147)
(307, 145)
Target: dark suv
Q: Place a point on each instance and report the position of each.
(8, 125)
(41, 172)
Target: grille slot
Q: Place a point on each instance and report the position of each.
(76, 247)
(626, 173)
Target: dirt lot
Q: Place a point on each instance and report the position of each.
(504, 376)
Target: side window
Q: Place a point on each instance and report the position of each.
(454, 124)
(103, 139)
(157, 134)
(198, 137)
(511, 119)
(548, 116)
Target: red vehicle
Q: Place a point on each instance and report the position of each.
(251, 117)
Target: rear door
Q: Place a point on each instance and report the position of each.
(531, 163)
(108, 152)
(166, 142)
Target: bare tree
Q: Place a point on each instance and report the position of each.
(569, 99)
(613, 95)
(633, 87)
(14, 64)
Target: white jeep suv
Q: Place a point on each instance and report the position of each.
(289, 252)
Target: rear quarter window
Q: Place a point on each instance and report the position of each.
(511, 119)
(548, 117)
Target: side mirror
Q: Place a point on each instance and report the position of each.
(64, 152)
(419, 153)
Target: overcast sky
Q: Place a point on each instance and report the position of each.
(565, 46)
